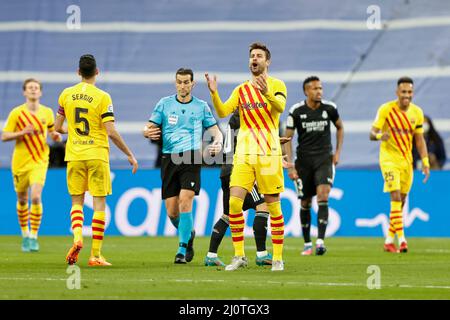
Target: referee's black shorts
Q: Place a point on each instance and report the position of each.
(179, 176)
(251, 201)
(312, 172)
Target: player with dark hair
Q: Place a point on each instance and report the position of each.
(313, 173)
(90, 121)
(181, 119)
(396, 124)
(28, 125)
(258, 156)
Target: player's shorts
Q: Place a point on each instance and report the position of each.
(179, 176)
(267, 171)
(24, 179)
(251, 201)
(89, 175)
(397, 177)
(312, 172)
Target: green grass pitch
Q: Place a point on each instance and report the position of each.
(143, 269)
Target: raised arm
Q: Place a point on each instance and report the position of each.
(223, 109)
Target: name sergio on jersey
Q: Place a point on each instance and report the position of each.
(315, 125)
(81, 96)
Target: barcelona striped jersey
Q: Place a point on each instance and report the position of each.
(258, 133)
(31, 149)
(401, 125)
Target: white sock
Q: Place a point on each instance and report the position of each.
(261, 254)
(319, 242)
(389, 240)
(25, 234)
(211, 255)
(32, 236)
(402, 239)
(308, 244)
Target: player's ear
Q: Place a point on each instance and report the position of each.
(79, 72)
(97, 71)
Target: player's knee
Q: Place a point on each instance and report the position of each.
(185, 204)
(236, 204)
(36, 199)
(22, 201)
(306, 204)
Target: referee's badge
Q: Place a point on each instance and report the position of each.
(324, 114)
(173, 119)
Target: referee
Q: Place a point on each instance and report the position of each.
(313, 173)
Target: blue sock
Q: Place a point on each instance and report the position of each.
(175, 221)
(184, 231)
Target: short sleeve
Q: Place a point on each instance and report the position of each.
(107, 109)
(157, 114)
(61, 100)
(380, 118)
(11, 122)
(334, 114)
(208, 119)
(419, 123)
(290, 122)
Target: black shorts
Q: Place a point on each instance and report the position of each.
(251, 201)
(312, 172)
(178, 176)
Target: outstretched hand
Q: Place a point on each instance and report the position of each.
(211, 82)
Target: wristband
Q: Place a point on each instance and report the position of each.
(378, 136)
(426, 162)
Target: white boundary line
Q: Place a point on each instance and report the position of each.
(230, 77)
(222, 26)
(257, 282)
(350, 126)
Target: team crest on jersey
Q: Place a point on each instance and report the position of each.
(173, 119)
(110, 108)
(324, 114)
(43, 121)
(303, 116)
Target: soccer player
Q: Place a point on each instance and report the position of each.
(181, 119)
(28, 125)
(253, 200)
(313, 173)
(258, 156)
(90, 121)
(396, 124)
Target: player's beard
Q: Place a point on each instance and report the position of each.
(257, 71)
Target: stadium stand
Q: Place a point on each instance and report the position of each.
(139, 48)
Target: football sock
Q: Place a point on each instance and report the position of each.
(237, 223)
(98, 230)
(35, 219)
(175, 221)
(218, 233)
(322, 219)
(184, 231)
(77, 217)
(277, 225)
(260, 230)
(396, 219)
(305, 220)
(23, 215)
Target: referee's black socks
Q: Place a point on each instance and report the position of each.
(322, 219)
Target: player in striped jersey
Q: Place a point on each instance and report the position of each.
(396, 124)
(258, 156)
(29, 124)
(90, 121)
